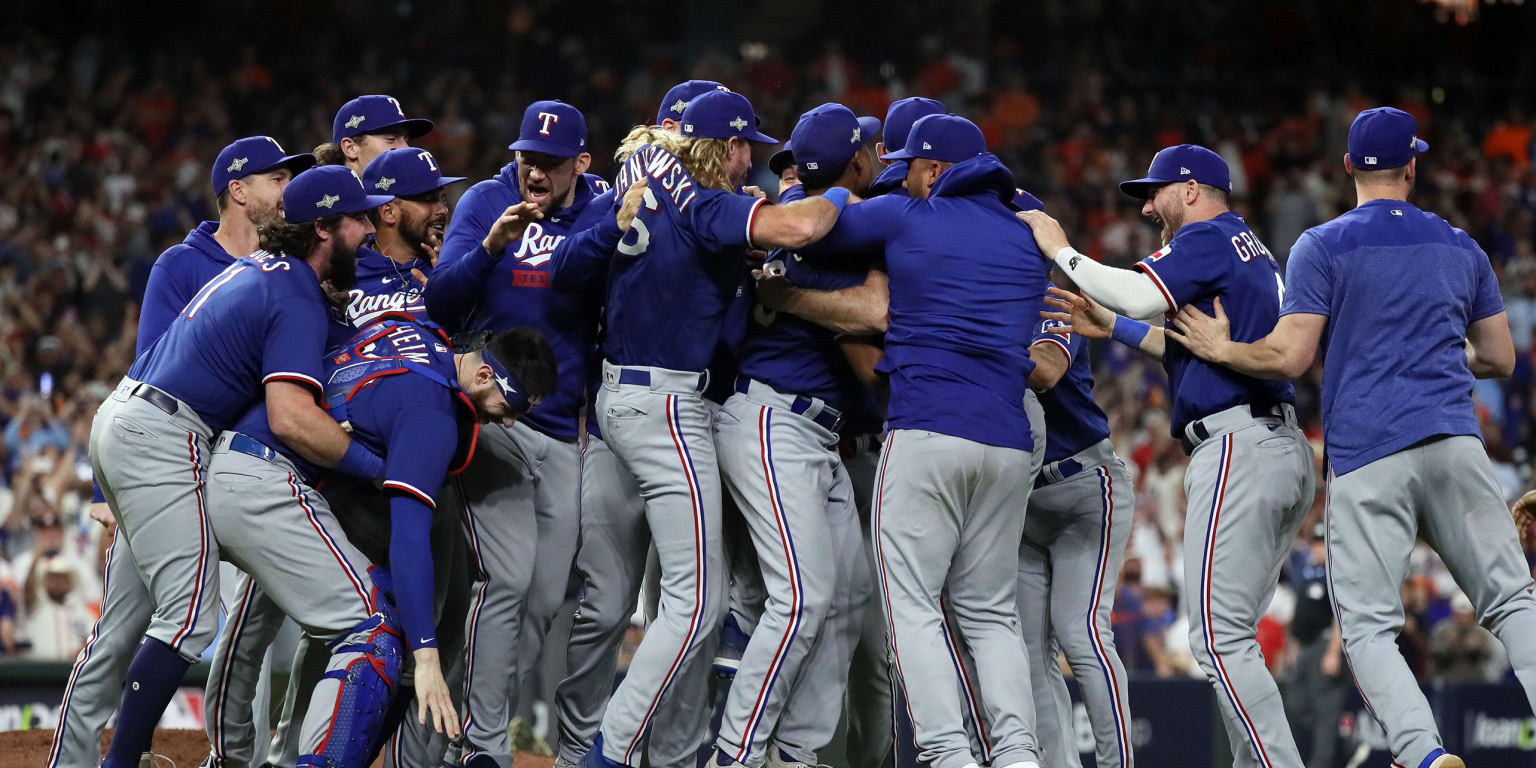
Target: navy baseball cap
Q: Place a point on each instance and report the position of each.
(677, 99)
(255, 154)
(782, 159)
(326, 191)
(722, 115)
(1183, 162)
(553, 128)
(404, 172)
(902, 114)
(946, 138)
(371, 114)
(829, 136)
(1383, 138)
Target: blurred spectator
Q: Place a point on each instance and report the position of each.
(58, 619)
(1461, 650)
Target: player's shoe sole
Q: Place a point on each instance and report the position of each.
(733, 643)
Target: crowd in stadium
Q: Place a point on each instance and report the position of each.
(106, 165)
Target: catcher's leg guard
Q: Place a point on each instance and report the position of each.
(349, 706)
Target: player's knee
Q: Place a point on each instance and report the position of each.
(363, 695)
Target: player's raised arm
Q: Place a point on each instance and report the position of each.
(580, 261)
(1123, 291)
(1082, 316)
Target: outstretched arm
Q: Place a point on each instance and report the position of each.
(1082, 316)
(1121, 290)
(856, 310)
(1285, 353)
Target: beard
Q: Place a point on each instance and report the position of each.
(262, 214)
(1171, 224)
(343, 274)
(416, 233)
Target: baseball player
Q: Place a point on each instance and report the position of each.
(1250, 479)
(955, 464)
(521, 494)
(676, 273)
(392, 274)
(366, 127)
(1075, 533)
(899, 118)
(252, 331)
(228, 703)
(1403, 449)
(776, 440)
(248, 178)
(614, 539)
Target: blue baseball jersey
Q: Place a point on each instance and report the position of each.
(410, 419)
(177, 274)
(891, 181)
(385, 285)
(1073, 421)
(1218, 257)
(262, 319)
(967, 282)
(678, 269)
(475, 290)
(796, 356)
(1399, 287)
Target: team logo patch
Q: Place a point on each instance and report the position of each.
(328, 201)
(739, 124)
(1370, 160)
(1183, 171)
(355, 120)
(926, 145)
(1072, 264)
(811, 166)
(341, 358)
(679, 106)
(384, 183)
(236, 164)
(440, 348)
(688, 128)
(1164, 251)
(857, 132)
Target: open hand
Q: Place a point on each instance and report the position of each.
(1524, 512)
(1048, 232)
(772, 285)
(634, 197)
(1082, 315)
(1204, 336)
(510, 226)
(431, 246)
(432, 699)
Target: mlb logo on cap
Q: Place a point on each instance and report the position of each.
(723, 115)
(255, 154)
(1383, 138)
(405, 172)
(829, 136)
(552, 128)
(327, 191)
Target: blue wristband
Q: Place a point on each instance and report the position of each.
(358, 461)
(1129, 332)
(838, 196)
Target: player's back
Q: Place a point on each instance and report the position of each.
(1399, 286)
(966, 283)
(234, 333)
(678, 268)
(176, 275)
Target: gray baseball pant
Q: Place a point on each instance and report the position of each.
(1249, 486)
(871, 676)
(948, 519)
(152, 468)
(1442, 490)
(783, 470)
(521, 499)
(236, 698)
(658, 426)
(1074, 543)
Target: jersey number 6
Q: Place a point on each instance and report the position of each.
(642, 232)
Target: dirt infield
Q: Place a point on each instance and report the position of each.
(29, 749)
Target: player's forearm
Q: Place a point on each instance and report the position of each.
(1148, 339)
(410, 567)
(1262, 359)
(306, 428)
(456, 286)
(857, 311)
(1123, 291)
(800, 223)
(580, 261)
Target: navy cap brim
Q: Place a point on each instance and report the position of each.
(437, 184)
(781, 160)
(1421, 145)
(759, 137)
(1139, 188)
(900, 154)
(543, 147)
(296, 163)
(368, 203)
(414, 127)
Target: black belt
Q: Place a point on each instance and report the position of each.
(1066, 468)
(156, 398)
(828, 418)
(1271, 410)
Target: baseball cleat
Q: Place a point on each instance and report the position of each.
(777, 758)
(561, 762)
(733, 643)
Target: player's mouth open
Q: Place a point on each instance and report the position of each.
(537, 193)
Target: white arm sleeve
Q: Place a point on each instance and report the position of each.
(1123, 291)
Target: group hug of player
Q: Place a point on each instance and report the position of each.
(852, 433)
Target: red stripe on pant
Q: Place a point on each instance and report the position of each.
(202, 545)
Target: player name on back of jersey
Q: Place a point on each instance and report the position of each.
(665, 169)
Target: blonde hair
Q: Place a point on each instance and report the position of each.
(704, 159)
(329, 154)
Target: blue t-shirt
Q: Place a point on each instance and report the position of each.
(1073, 421)
(176, 275)
(262, 319)
(1218, 257)
(677, 270)
(793, 355)
(1399, 287)
(475, 290)
(385, 285)
(966, 286)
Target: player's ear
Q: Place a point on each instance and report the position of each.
(349, 148)
(1349, 169)
(237, 192)
(880, 148)
(583, 162)
(1413, 169)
